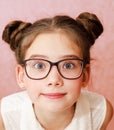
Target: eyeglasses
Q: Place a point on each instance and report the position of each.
(37, 69)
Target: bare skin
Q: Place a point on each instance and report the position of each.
(108, 116)
(1, 120)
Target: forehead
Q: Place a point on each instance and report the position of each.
(53, 45)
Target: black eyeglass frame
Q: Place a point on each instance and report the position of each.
(51, 65)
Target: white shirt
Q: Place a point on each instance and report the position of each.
(18, 114)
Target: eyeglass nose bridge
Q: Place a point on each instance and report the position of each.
(54, 64)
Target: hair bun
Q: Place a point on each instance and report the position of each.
(12, 33)
(91, 24)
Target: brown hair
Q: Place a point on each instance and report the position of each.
(84, 31)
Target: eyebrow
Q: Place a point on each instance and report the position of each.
(37, 56)
(71, 56)
(62, 57)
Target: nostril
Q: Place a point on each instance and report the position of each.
(55, 83)
(49, 84)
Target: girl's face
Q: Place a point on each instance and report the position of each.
(53, 93)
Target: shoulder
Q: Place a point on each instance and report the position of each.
(101, 109)
(96, 102)
(108, 116)
(95, 99)
(15, 99)
(10, 107)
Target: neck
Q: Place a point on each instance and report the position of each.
(52, 120)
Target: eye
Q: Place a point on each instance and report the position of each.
(39, 66)
(68, 66)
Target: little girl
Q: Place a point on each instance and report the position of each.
(53, 56)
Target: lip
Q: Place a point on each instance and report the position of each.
(54, 95)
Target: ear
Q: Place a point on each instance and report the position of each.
(20, 76)
(86, 75)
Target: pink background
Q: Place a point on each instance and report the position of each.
(102, 53)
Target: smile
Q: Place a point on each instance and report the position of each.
(54, 95)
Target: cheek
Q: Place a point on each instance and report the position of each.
(74, 86)
(33, 88)
(31, 85)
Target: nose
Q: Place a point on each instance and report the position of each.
(54, 78)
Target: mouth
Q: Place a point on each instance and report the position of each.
(54, 95)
